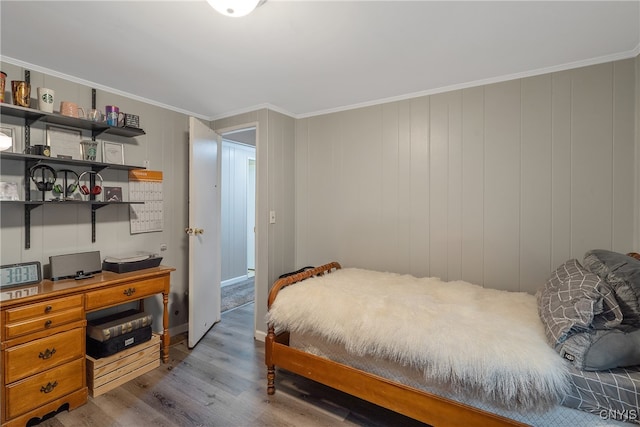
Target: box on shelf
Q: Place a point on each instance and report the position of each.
(98, 349)
(107, 373)
(105, 328)
(112, 264)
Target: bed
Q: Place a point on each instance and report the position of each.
(381, 376)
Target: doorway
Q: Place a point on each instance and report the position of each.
(238, 205)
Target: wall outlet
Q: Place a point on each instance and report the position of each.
(163, 247)
(145, 164)
(272, 217)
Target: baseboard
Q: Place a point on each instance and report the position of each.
(184, 328)
(177, 330)
(260, 336)
(233, 281)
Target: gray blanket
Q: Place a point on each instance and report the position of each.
(590, 311)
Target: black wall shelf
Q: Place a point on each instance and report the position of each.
(33, 159)
(31, 116)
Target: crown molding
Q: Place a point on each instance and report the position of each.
(54, 73)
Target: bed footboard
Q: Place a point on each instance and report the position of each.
(283, 338)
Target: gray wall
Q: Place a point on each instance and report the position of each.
(64, 229)
(496, 185)
(275, 140)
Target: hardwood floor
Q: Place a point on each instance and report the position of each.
(222, 382)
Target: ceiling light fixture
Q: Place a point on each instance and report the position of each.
(235, 8)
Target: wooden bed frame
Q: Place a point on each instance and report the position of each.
(420, 405)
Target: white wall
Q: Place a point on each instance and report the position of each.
(496, 185)
(62, 229)
(234, 216)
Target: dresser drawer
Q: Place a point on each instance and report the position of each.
(124, 293)
(43, 323)
(43, 308)
(37, 356)
(35, 391)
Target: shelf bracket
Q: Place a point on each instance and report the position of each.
(94, 208)
(27, 123)
(94, 133)
(27, 224)
(93, 224)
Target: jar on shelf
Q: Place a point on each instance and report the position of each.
(3, 78)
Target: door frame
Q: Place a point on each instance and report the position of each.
(261, 235)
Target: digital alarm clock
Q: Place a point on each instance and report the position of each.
(23, 273)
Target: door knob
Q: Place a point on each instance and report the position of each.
(198, 231)
(189, 231)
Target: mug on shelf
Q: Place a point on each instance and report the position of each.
(71, 109)
(3, 77)
(40, 150)
(95, 115)
(89, 150)
(113, 115)
(21, 93)
(45, 99)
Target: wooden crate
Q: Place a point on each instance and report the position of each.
(107, 373)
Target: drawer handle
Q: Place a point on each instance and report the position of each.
(47, 323)
(48, 309)
(47, 354)
(129, 292)
(49, 387)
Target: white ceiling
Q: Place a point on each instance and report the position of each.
(308, 57)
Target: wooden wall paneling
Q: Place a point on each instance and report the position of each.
(281, 194)
(227, 212)
(392, 217)
(360, 143)
(472, 250)
(234, 210)
(288, 204)
(623, 156)
(496, 184)
(502, 185)
(591, 159)
(438, 185)
(535, 214)
(276, 198)
(454, 198)
(419, 187)
(405, 217)
(561, 92)
(301, 167)
(324, 192)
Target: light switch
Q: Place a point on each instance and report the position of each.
(272, 217)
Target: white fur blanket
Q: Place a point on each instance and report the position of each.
(487, 343)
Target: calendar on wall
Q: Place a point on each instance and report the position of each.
(146, 186)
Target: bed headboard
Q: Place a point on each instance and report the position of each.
(298, 277)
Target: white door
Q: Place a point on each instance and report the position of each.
(203, 229)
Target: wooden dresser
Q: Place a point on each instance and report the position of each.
(42, 348)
